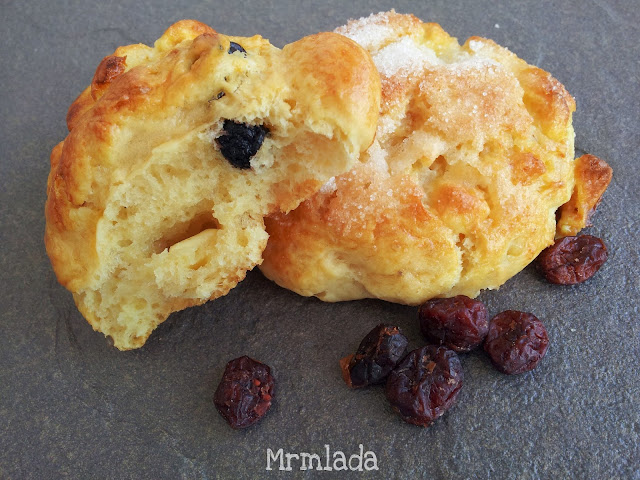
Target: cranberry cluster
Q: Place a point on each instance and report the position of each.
(423, 384)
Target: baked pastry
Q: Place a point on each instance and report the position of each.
(473, 157)
(175, 153)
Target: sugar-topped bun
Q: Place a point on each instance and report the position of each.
(175, 153)
(473, 157)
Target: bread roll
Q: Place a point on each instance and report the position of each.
(473, 157)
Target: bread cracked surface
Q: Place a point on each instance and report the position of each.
(473, 157)
(144, 214)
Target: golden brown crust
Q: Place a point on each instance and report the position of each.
(144, 214)
(375, 221)
(592, 177)
(110, 67)
(473, 156)
(310, 55)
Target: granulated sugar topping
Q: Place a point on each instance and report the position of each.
(404, 57)
(475, 45)
(473, 66)
(371, 32)
(378, 158)
(329, 187)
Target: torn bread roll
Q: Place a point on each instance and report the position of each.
(175, 154)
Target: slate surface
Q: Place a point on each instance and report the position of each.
(72, 407)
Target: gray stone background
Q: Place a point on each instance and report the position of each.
(72, 407)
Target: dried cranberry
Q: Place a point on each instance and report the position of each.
(245, 392)
(516, 341)
(572, 260)
(240, 142)
(235, 47)
(425, 384)
(377, 355)
(460, 322)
